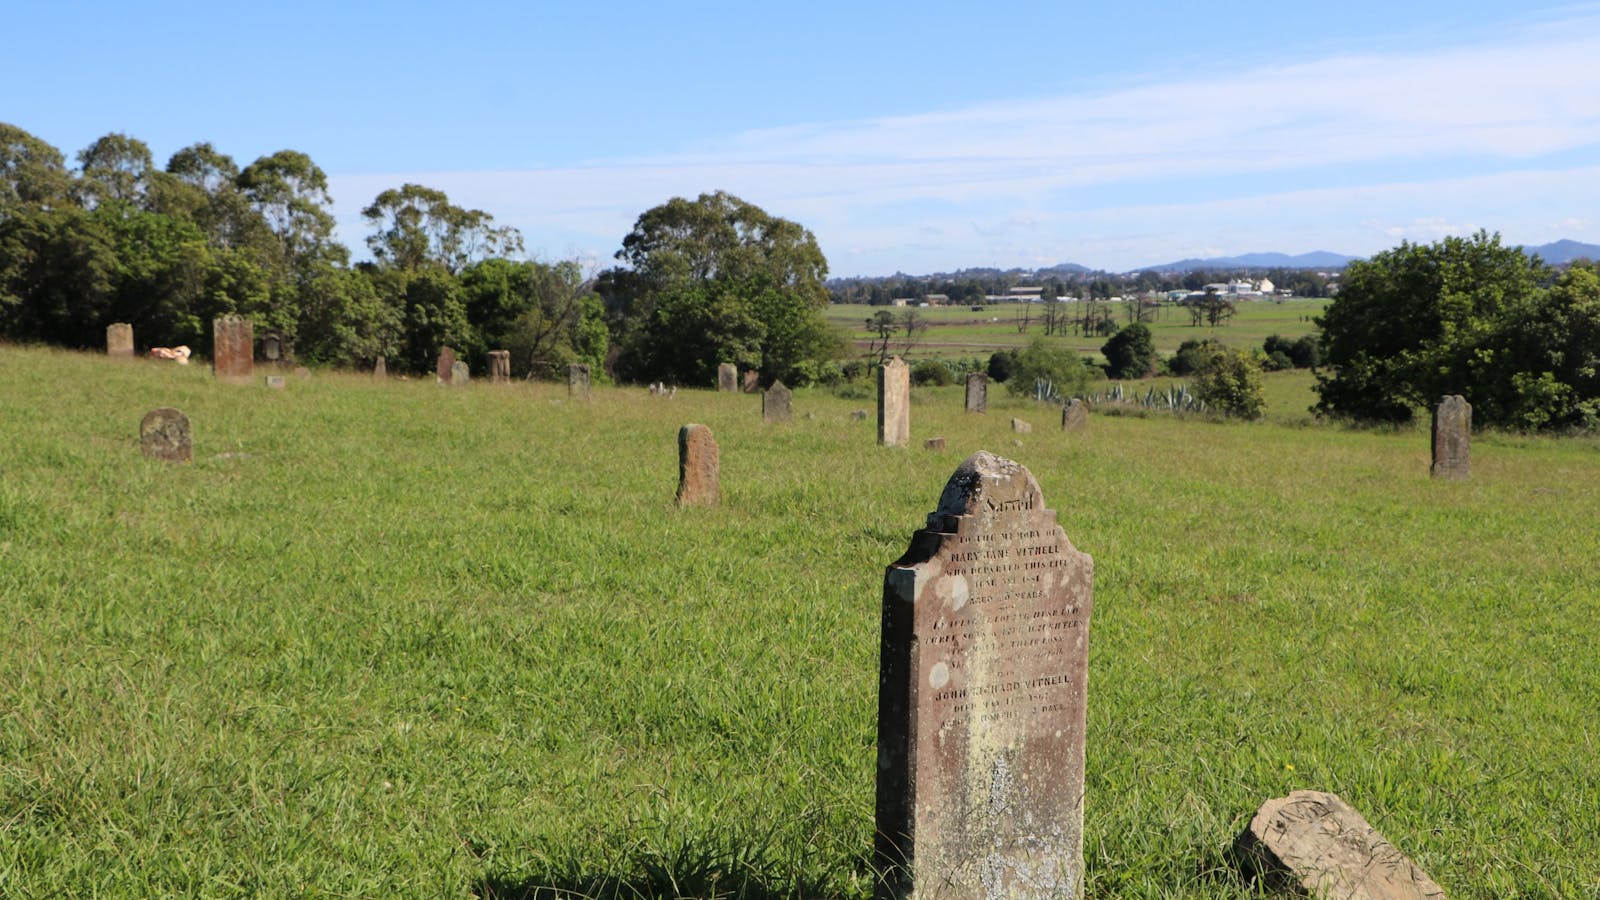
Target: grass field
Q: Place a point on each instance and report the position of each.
(389, 639)
(957, 331)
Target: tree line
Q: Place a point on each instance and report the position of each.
(168, 249)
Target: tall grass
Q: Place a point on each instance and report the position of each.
(390, 638)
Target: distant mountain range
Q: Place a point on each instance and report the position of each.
(1562, 252)
(1318, 259)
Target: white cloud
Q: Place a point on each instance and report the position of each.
(999, 183)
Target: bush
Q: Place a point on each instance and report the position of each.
(1191, 355)
(1040, 361)
(1002, 365)
(1277, 361)
(932, 372)
(1131, 352)
(1300, 354)
(1230, 383)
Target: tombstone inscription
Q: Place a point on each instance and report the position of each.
(982, 696)
(1313, 843)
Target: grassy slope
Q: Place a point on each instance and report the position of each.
(430, 642)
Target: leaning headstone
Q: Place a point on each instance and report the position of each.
(982, 696)
(1452, 439)
(578, 382)
(752, 382)
(119, 340)
(777, 403)
(1312, 843)
(1075, 415)
(977, 392)
(233, 349)
(499, 366)
(727, 377)
(459, 373)
(380, 369)
(445, 368)
(164, 434)
(894, 403)
(277, 382)
(933, 444)
(1021, 427)
(699, 467)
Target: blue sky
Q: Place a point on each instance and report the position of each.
(913, 137)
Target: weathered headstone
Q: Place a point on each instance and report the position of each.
(164, 434)
(119, 340)
(460, 374)
(1075, 415)
(727, 377)
(699, 467)
(936, 443)
(499, 366)
(380, 369)
(445, 367)
(1021, 427)
(1314, 844)
(894, 403)
(752, 382)
(277, 382)
(272, 348)
(233, 349)
(1452, 439)
(982, 695)
(578, 382)
(777, 403)
(977, 392)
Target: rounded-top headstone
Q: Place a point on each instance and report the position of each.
(164, 434)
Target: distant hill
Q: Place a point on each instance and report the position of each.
(1562, 252)
(1317, 259)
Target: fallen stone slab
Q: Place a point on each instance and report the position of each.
(1316, 845)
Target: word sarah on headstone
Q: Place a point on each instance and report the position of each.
(164, 434)
(977, 392)
(894, 403)
(119, 340)
(1314, 844)
(233, 350)
(982, 694)
(777, 403)
(699, 467)
(1452, 439)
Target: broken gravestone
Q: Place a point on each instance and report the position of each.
(233, 350)
(894, 403)
(699, 467)
(1021, 427)
(777, 403)
(1313, 843)
(1074, 416)
(1452, 439)
(982, 693)
(752, 382)
(977, 392)
(164, 434)
(444, 370)
(119, 340)
(933, 443)
(499, 366)
(727, 377)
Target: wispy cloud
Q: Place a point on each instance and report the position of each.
(1016, 183)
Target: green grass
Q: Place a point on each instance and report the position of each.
(957, 331)
(394, 639)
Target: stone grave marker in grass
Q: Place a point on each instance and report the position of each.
(499, 366)
(977, 392)
(699, 467)
(164, 434)
(1074, 416)
(119, 340)
(777, 403)
(727, 377)
(894, 403)
(444, 369)
(578, 381)
(1452, 439)
(459, 373)
(233, 350)
(1312, 843)
(982, 694)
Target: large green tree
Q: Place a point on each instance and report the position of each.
(717, 279)
(418, 226)
(33, 174)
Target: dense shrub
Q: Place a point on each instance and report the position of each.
(1002, 365)
(1191, 355)
(932, 372)
(1068, 373)
(1131, 352)
(1302, 353)
(1230, 382)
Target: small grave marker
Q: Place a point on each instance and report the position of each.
(578, 381)
(380, 369)
(982, 695)
(727, 377)
(1313, 843)
(444, 369)
(1452, 439)
(119, 340)
(459, 373)
(164, 434)
(699, 467)
(1021, 427)
(777, 403)
(277, 382)
(1074, 416)
(752, 382)
(894, 403)
(499, 366)
(936, 443)
(977, 392)
(233, 350)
